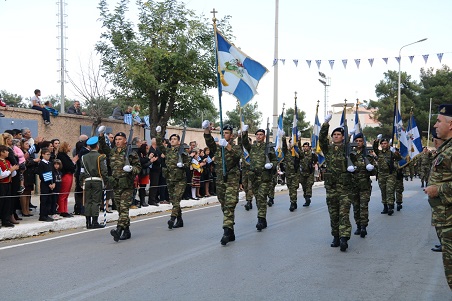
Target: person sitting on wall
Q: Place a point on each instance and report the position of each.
(75, 109)
(36, 104)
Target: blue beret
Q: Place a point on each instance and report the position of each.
(445, 110)
(92, 141)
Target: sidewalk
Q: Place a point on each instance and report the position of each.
(31, 226)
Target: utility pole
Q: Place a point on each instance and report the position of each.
(62, 50)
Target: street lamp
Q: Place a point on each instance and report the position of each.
(326, 82)
(399, 106)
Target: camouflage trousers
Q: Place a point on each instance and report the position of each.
(293, 184)
(399, 191)
(424, 173)
(176, 191)
(123, 200)
(271, 191)
(307, 180)
(408, 171)
(338, 202)
(446, 243)
(228, 196)
(387, 187)
(261, 190)
(360, 200)
(93, 197)
(247, 186)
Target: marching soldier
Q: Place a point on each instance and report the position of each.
(247, 185)
(337, 184)
(439, 189)
(292, 160)
(227, 184)
(424, 162)
(261, 173)
(362, 185)
(175, 175)
(307, 162)
(387, 159)
(93, 177)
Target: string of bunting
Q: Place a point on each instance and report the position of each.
(357, 61)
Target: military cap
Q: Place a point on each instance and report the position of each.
(445, 109)
(228, 127)
(306, 144)
(338, 129)
(359, 135)
(120, 134)
(92, 141)
(260, 131)
(175, 135)
(383, 140)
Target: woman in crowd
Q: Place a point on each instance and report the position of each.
(15, 180)
(7, 171)
(66, 179)
(143, 177)
(31, 165)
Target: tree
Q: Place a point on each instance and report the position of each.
(251, 115)
(165, 63)
(13, 100)
(302, 125)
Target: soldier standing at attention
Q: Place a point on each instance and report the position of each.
(425, 162)
(292, 161)
(337, 184)
(261, 173)
(93, 177)
(175, 175)
(439, 189)
(122, 177)
(362, 185)
(228, 184)
(387, 159)
(307, 160)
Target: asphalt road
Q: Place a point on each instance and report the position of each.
(290, 260)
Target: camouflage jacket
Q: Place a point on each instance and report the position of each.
(232, 157)
(387, 160)
(94, 164)
(441, 176)
(120, 178)
(425, 160)
(291, 163)
(171, 172)
(357, 157)
(335, 159)
(258, 159)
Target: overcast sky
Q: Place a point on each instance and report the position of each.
(308, 30)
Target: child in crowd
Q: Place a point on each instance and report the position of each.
(20, 155)
(196, 167)
(56, 173)
(47, 185)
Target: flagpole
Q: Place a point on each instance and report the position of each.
(429, 120)
(275, 80)
(394, 133)
(219, 87)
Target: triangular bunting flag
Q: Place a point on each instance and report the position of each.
(357, 61)
(440, 56)
(425, 56)
(345, 63)
(398, 59)
(283, 61)
(318, 62)
(386, 60)
(331, 63)
(371, 62)
(309, 63)
(295, 62)
(411, 58)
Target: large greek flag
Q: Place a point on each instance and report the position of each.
(399, 136)
(315, 140)
(279, 135)
(295, 137)
(240, 74)
(413, 138)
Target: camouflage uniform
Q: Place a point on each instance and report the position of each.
(441, 176)
(425, 163)
(93, 176)
(387, 162)
(175, 176)
(292, 164)
(247, 186)
(399, 188)
(307, 162)
(337, 185)
(260, 177)
(271, 190)
(227, 188)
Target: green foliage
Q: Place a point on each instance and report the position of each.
(251, 115)
(13, 100)
(303, 126)
(165, 63)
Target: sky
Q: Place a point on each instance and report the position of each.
(308, 30)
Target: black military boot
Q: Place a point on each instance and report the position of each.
(437, 248)
(116, 233)
(171, 222)
(307, 201)
(344, 244)
(335, 242)
(226, 236)
(232, 235)
(391, 209)
(95, 224)
(358, 229)
(261, 223)
(363, 231)
(248, 205)
(126, 234)
(293, 206)
(179, 222)
(385, 209)
(422, 185)
(270, 202)
(88, 222)
(399, 206)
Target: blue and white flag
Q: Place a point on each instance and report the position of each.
(399, 136)
(343, 117)
(357, 125)
(413, 138)
(47, 176)
(279, 135)
(146, 120)
(128, 119)
(295, 137)
(315, 140)
(32, 149)
(246, 155)
(240, 74)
